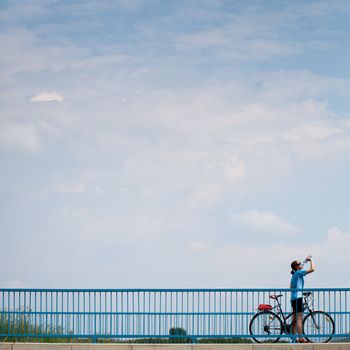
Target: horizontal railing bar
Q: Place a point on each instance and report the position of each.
(174, 290)
(56, 313)
(164, 336)
(105, 313)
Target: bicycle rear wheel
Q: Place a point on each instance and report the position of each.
(266, 327)
(318, 327)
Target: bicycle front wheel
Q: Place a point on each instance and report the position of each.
(266, 327)
(318, 327)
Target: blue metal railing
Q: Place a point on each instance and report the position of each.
(152, 314)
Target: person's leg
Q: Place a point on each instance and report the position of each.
(294, 321)
(294, 324)
(294, 327)
(299, 319)
(299, 324)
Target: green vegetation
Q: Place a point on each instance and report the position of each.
(19, 327)
(178, 335)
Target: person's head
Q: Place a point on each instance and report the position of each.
(295, 265)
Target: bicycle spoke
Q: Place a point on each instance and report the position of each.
(318, 327)
(266, 327)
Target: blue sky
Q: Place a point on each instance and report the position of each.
(173, 143)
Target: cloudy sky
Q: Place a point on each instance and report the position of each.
(174, 143)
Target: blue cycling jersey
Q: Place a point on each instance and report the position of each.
(297, 282)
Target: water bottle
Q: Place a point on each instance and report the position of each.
(305, 261)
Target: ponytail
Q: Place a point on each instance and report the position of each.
(294, 266)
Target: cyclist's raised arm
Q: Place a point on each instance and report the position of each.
(312, 266)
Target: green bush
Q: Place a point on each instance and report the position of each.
(178, 335)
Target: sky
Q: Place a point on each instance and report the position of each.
(174, 143)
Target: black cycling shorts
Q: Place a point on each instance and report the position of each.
(297, 305)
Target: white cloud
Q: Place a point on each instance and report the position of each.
(248, 35)
(311, 132)
(199, 246)
(205, 196)
(130, 231)
(14, 284)
(20, 138)
(335, 249)
(269, 265)
(75, 188)
(210, 264)
(47, 96)
(26, 52)
(262, 222)
(320, 139)
(206, 38)
(134, 5)
(234, 169)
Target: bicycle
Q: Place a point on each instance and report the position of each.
(269, 323)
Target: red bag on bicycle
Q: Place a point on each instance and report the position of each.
(264, 307)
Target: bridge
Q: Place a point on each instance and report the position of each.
(185, 318)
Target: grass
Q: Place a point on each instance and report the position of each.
(17, 327)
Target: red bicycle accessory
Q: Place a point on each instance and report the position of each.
(264, 307)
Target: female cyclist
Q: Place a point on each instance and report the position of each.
(296, 285)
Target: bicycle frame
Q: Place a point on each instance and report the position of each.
(279, 312)
(306, 302)
(277, 309)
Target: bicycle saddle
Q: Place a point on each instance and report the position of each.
(276, 296)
